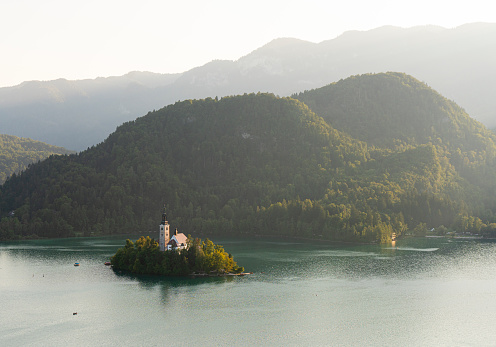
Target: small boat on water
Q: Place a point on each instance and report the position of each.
(76, 264)
(107, 263)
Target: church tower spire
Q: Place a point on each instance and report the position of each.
(164, 232)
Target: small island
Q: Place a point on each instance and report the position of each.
(175, 256)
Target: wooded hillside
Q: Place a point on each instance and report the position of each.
(17, 153)
(260, 164)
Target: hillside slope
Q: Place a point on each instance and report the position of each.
(200, 157)
(396, 111)
(17, 153)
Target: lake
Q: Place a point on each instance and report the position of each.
(421, 292)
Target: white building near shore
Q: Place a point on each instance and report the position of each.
(178, 241)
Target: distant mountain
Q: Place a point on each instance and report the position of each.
(458, 62)
(260, 164)
(17, 153)
(79, 114)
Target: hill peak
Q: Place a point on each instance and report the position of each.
(387, 109)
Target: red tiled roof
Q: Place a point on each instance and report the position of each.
(181, 238)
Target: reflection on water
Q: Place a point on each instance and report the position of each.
(169, 287)
(431, 291)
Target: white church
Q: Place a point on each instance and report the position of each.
(178, 241)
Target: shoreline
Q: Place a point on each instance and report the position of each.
(244, 235)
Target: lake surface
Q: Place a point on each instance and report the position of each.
(422, 292)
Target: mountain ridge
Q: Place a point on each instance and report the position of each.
(456, 62)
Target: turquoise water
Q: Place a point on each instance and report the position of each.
(422, 292)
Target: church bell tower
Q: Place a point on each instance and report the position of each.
(164, 232)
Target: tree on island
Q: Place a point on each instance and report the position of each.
(200, 257)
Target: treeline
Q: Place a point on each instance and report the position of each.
(200, 257)
(259, 164)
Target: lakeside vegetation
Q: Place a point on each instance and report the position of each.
(354, 161)
(199, 257)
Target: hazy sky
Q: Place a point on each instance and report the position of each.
(50, 39)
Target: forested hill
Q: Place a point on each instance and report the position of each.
(254, 164)
(396, 111)
(393, 110)
(17, 153)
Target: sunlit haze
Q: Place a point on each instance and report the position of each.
(46, 40)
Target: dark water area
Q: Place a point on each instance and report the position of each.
(418, 292)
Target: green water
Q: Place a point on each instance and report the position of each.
(422, 292)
